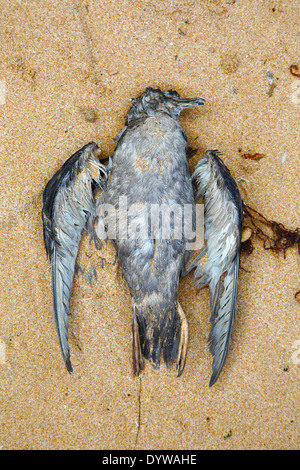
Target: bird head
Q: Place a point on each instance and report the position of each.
(155, 101)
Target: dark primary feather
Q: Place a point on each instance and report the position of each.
(68, 202)
(222, 317)
(223, 225)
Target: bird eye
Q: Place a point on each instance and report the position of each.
(173, 93)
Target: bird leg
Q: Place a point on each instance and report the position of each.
(183, 341)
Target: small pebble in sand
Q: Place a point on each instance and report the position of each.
(246, 234)
(283, 158)
(270, 77)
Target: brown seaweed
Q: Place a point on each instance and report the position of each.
(247, 247)
(255, 156)
(279, 238)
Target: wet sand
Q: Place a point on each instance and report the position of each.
(67, 73)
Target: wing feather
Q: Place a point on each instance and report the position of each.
(223, 215)
(68, 204)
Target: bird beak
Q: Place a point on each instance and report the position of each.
(188, 102)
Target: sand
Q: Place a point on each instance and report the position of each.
(67, 72)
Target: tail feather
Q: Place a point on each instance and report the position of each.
(155, 333)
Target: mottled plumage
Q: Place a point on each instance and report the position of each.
(149, 169)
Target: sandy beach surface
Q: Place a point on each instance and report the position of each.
(68, 70)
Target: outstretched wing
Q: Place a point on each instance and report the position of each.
(223, 216)
(68, 204)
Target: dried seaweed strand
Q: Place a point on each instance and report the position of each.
(280, 239)
(255, 156)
